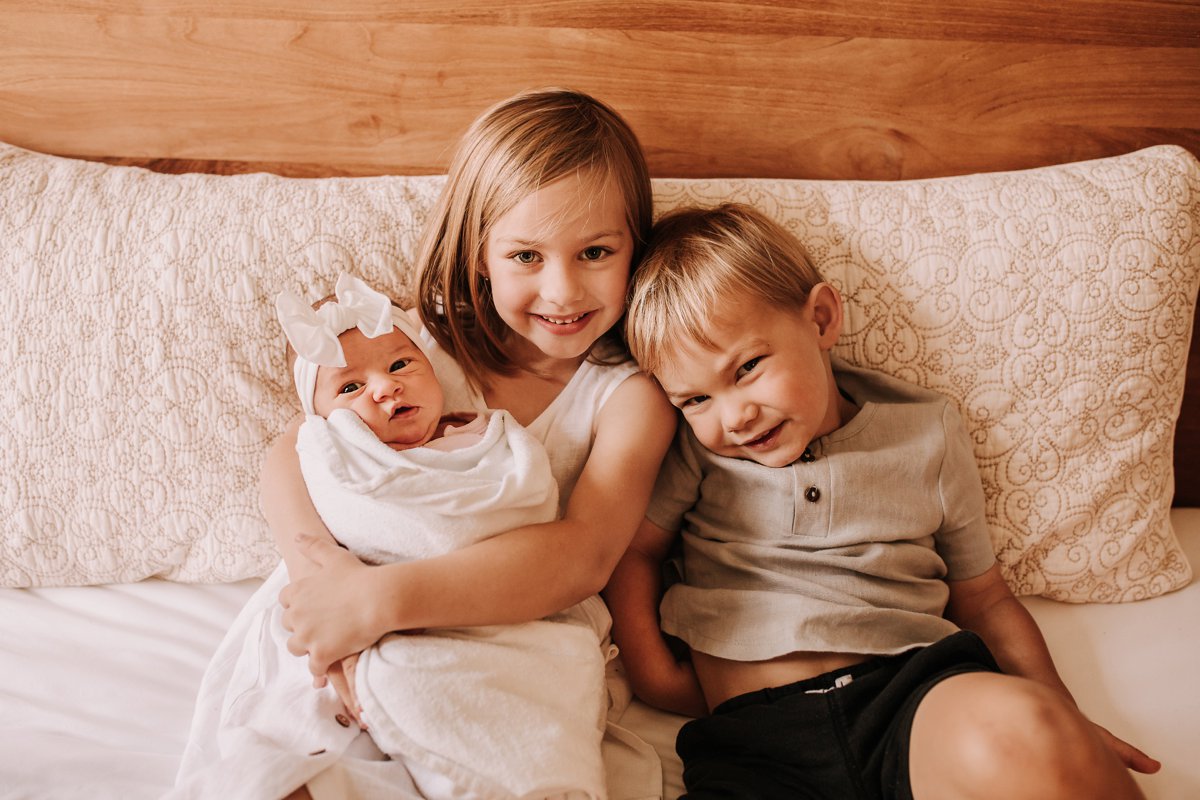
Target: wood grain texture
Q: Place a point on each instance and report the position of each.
(1171, 23)
(832, 89)
(368, 95)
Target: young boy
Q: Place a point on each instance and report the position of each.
(830, 516)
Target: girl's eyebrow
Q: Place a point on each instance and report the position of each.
(519, 242)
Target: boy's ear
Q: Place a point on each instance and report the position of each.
(826, 304)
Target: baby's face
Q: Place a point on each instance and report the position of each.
(389, 383)
(764, 393)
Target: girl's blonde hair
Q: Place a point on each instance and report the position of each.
(509, 152)
(702, 260)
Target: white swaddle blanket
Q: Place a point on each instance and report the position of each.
(498, 711)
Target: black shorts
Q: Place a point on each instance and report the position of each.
(844, 734)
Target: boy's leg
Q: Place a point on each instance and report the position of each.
(988, 735)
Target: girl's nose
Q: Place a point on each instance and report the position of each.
(560, 285)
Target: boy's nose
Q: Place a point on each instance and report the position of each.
(738, 414)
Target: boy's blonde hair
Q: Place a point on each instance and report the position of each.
(700, 261)
(512, 150)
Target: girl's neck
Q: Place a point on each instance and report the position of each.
(533, 364)
(529, 391)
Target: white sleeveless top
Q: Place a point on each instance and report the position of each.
(566, 428)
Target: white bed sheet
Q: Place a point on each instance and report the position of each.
(97, 683)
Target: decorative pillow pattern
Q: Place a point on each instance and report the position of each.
(1055, 306)
(143, 375)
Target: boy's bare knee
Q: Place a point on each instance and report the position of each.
(986, 735)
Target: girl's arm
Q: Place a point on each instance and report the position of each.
(520, 575)
(986, 605)
(633, 595)
(286, 505)
(289, 511)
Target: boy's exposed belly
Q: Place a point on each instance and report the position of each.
(722, 679)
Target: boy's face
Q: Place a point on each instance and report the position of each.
(767, 390)
(389, 383)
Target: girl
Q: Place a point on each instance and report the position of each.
(523, 274)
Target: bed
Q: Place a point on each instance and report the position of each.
(1007, 194)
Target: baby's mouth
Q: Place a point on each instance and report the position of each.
(401, 411)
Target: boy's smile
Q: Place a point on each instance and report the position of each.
(767, 390)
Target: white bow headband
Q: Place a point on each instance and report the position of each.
(313, 334)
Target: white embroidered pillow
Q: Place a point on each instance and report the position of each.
(143, 374)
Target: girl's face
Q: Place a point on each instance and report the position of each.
(389, 383)
(558, 263)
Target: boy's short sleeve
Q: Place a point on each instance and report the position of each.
(678, 486)
(964, 541)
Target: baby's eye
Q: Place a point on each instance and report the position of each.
(595, 253)
(400, 364)
(748, 367)
(349, 388)
(525, 257)
(692, 402)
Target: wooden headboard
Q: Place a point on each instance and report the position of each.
(835, 89)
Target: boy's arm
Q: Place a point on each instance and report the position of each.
(986, 606)
(632, 595)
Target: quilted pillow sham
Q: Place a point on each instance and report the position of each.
(144, 377)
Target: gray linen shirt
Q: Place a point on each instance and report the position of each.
(845, 550)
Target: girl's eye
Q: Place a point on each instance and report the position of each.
(349, 388)
(595, 253)
(400, 364)
(748, 367)
(692, 402)
(525, 257)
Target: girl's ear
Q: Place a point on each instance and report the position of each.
(826, 304)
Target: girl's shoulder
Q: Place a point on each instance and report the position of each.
(633, 402)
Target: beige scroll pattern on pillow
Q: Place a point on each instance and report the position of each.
(143, 372)
(143, 375)
(1055, 307)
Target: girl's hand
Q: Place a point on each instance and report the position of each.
(341, 676)
(329, 612)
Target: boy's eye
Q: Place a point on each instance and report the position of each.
(400, 364)
(349, 388)
(748, 367)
